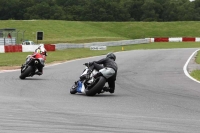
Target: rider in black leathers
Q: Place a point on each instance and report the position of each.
(109, 68)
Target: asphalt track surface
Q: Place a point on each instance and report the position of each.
(153, 95)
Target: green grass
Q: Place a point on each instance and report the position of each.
(16, 59)
(56, 31)
(195, 74)
(198, 57)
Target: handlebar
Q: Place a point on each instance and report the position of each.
(86, 64)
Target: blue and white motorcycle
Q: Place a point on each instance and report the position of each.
(87, 84)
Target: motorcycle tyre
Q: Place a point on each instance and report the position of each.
(26, 72)
(97, 87)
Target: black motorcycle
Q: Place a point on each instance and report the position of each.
(29, 69)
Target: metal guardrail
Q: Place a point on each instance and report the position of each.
(61, 46)
(8, 41)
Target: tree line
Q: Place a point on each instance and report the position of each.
(101, 10)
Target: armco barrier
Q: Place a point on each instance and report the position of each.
(110, 43)
(188, 39)
(175, 39)
(8, 49)
(24, 48)
(31, 48)
(18, 48)
(2, 49)
(50, 47)
(13, 48)
(178, 39)
(161, 39)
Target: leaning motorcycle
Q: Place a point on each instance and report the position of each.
(29, 69)
(87, 83)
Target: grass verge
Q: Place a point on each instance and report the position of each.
(196, 74)
(198, 57)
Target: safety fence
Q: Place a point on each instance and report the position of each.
(110, 43)
(175, 39)
(24, 48)
(60, 46)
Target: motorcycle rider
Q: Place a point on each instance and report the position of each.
(40, 52)
(109, 70)
(41, 49)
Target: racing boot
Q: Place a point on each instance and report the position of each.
(38, 73)
(105, 89)
(108, 89)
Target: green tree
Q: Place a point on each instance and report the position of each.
(170, 12)
(23, 6)
(134, 9)
(9, 9)
(196, 4)
(107, 10)
(75, 9)
(44, 10)
(149, 9)
(185, 11)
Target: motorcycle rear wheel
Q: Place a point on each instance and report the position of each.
(97, 87)
(26, 72)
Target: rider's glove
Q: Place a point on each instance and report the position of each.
(86, 64)
(91, 63)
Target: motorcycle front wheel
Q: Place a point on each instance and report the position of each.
(97, 87)
(26, 72)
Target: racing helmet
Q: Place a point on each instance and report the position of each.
(41, 50)
(38, 50)
(111, 56)
(41, 45)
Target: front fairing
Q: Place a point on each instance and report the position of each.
(85, 71)
(41, 60)
(36, 62)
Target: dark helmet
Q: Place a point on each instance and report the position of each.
(111, 56)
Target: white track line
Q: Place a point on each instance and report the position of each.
(185, 67)
(5, 71)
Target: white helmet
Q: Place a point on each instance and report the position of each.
(41, 45)
(41, 49)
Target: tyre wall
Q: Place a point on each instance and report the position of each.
(175, 39)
